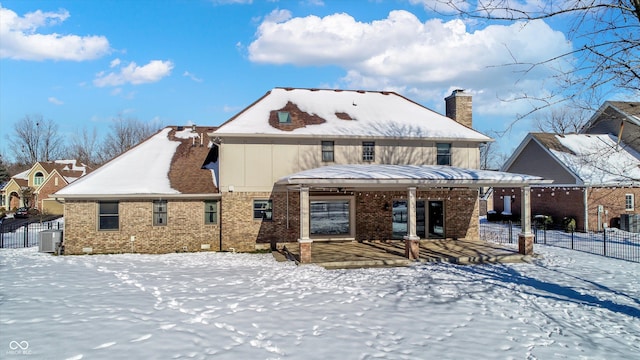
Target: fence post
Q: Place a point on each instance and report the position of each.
(26, 235)
(604, 242)
(544, 229)
(510, 231)
(572, 232)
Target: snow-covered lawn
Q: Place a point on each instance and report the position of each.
(567, 304)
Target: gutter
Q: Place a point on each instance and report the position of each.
(207, 196)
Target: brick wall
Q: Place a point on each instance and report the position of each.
(563, 202)
(373, 220)
(185, 229)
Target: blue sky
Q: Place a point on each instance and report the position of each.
(83, 63)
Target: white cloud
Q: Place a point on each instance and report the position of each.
(55, 101)
(427, 59)
(133, 74)
(192, 76)
(20, 41)
(114, 63)
(277, 16)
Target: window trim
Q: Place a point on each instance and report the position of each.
(443, 155)
(352, 218)
(369, 151)
(105, 215)
(38, 178)
(157, 213)
(632, 202)
(264, 211)
(327, 151)
(216, 212)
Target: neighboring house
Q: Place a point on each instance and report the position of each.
(41, 180)
(596, 174)
(297, 165)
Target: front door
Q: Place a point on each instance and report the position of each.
(436, 219)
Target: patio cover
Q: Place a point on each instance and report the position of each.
(409, 177)
(405, 176)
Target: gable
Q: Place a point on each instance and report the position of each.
(169, 163)
(534, 159)
(344, 113)
(616, 118)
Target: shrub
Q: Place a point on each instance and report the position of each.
(569, 224)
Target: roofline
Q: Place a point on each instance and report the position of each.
(410, 182)
(331, 136)
(156, 196)
(601, 109)
(342, 90)
(530, 137)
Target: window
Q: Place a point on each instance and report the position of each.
(368, 151)
(329, 217)
(38, 179)
(210, 212)
(108, 217)
(327, 151)
(160, 212)
(263, 210)
(628, 202)
(444, 154)
(284, 117)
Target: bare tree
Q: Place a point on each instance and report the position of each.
(489, 156)
(606, 34)
(84, 147)
(123, 135)
(35, 139)
(561, 120)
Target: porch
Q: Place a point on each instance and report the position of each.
(352, 254)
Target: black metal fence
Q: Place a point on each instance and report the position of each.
(612, 242)
(22, 234)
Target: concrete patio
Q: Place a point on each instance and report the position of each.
(351, 254)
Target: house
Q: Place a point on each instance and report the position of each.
(596, 173)
(296, 166)
(38, 182)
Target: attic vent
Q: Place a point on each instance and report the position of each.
(284, 117)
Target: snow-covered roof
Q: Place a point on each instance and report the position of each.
(168, 163)
(430, 175)
(23, 175)
(344, 113)
(598, 159)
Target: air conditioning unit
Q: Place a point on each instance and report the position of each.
(49, 240)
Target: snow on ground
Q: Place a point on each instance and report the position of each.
(567, 304)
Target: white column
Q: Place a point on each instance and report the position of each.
(411, 215)
(304, 215)
(525, 211)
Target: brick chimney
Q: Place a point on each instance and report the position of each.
(458, 107)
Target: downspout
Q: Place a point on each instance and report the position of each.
(220, 223)
(586, 209)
